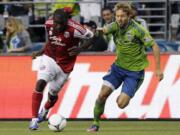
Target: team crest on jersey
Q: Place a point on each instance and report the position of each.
(66, 34)
(129, 35)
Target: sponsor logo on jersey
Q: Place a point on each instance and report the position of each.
(56, 41)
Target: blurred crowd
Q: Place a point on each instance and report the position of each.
(22, 30)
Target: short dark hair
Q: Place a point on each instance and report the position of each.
(91, 24)
(60, 14)
(107, 8)
(60, 17)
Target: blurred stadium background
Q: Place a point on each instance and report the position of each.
(153, 101)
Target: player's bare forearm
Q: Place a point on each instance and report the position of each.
(75, 50)
(102, 30)
(156, 52)
(87, 43)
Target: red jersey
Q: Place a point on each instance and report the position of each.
(59, 43)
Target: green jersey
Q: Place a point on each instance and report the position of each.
(130, 45)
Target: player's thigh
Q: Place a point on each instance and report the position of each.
(46, 69)
(132, 83)
(56, 84)
(114, 77)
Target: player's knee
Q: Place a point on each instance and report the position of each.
(53, 98)
(122, 105)
(40, 85)
(123, 100)
(102, 98)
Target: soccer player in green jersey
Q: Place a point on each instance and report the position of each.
(130, 38)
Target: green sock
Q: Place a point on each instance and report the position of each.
(98, 111)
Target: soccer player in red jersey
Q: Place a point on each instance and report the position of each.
(57, 60)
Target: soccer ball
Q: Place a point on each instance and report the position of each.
(56, 122)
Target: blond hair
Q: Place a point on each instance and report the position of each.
(16, 23)
(125, 6)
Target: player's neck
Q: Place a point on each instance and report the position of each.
(126, 25)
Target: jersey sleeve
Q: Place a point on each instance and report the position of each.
(83, 33)
(111, 28)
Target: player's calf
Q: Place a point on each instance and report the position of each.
(50, 103)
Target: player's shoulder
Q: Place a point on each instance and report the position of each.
(137, 28)
(140, 20)
(49, 22)
(76, 26)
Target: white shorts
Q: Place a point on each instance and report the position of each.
(51, 72)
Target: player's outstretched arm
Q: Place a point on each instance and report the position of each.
(75, 50)
(87, 43)
(103, 30)
(156, 52)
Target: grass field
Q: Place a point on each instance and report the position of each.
(107, 128)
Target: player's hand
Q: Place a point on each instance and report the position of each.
(159, 75)
(36, 54)
(75, 50)
(102, 29)
(99, 29)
